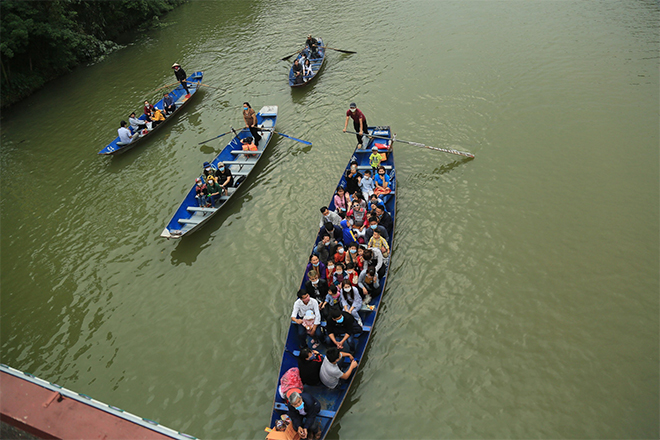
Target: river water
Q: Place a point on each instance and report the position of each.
(523, 296)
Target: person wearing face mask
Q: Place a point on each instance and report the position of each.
(384, 218)
(342, 330)
(180, 75)
(225, 178)
(315, 264)
(201, 193)
(250, 118)
(359, 123)
(340, 254)
(326, 247)
(373, 225)
(315, 286)
(301, 306)
(309, 365)
(351, 301)
(379, 242)
(302, 410)
(329, 216)
(369, 283)
(351, 274)
(352, 256)
(334, 232)
(353, 177)
(383, 184)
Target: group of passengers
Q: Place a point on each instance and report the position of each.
(343, 274)
(302, 66)
(140, 127)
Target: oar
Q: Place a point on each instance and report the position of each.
(167, 86)
(286, 58)
(220, 135)
(417, 144)
(286, 136)
(338, 50)
(217, 88)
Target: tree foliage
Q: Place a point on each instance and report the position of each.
(40, 40)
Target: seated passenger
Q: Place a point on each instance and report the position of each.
(208, 170)
(316, 287)
(290, 382)
(342, 202)
(367, 185)
(384, 218)
(351, 274)
(373, 257)
(369, 283)
(348, 233)
(307, 70)
(329, 216)
(309, 366)
(357, 213)
(308, 322)
(168, 104)
(332, 302)
(297, 78)
(374, 200)
(313, 44)
(157, 117)
(300, 307)
(379, 242)
(225, 178)
(343, 331)
(330, 372)
(339, 274)
(353, 177)
(125, 136)
(351, 301)
(297, 67)
(136, 123)
(215, 190)
(373, 225)
(382, 184)
(329, 271)
(148, 108)
(352, 256)
(201, 193)
(315, 264)
(326, 247)
(339, 255)
(302, 410)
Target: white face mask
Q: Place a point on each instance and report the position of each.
(352, 109)
(347, 289)
(340, 251)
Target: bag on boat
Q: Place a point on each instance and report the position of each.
(291, 382)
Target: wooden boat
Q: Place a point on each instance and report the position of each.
(190, 216)
(331, 400)
(31, 407)
(180, 99)
(316, 64)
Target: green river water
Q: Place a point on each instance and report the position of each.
(523, 297)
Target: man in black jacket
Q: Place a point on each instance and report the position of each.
(303, 409)
(181, 77)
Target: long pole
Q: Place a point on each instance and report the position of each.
(417, 144)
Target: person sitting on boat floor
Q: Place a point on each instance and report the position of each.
(298, 78)
(225, 178)
(330, 372)
(342, 330)
(157, 117)
(250, 118)
(353, 177)
(376, 241)
(367, 185)
(137, 124)
(351, 274)
(359, 123)
(373, 225)
(340, 254)
(369, 284)
(375, 158)
(307, 70)
(201, 193)
(329, 216)
(342, 202)
(334, 232)
(329, 271)
(316, 287)
(181, 76)
(315, 264)
(125, 136)
(338, 275)
(208, 170)
(352, 256)
(300, 307)
(168, 104)
(303, 408)
(384, 218)
(326, 247)
(351, 300)
(309, 366)
(373, 257)
(215, 190)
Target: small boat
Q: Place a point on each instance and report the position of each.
(316, 64)
(190, 216)
(332, 399)
(180, 99)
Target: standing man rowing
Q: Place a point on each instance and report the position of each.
(359, 122)
(181, 77)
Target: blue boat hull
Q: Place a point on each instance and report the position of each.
(180, 99)
(331, 400)
(189, 217)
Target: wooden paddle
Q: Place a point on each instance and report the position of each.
(167, 86)
(417, 144)
(286, 58)
(338, 50)
(286, 136)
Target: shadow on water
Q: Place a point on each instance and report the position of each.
(439, 171)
